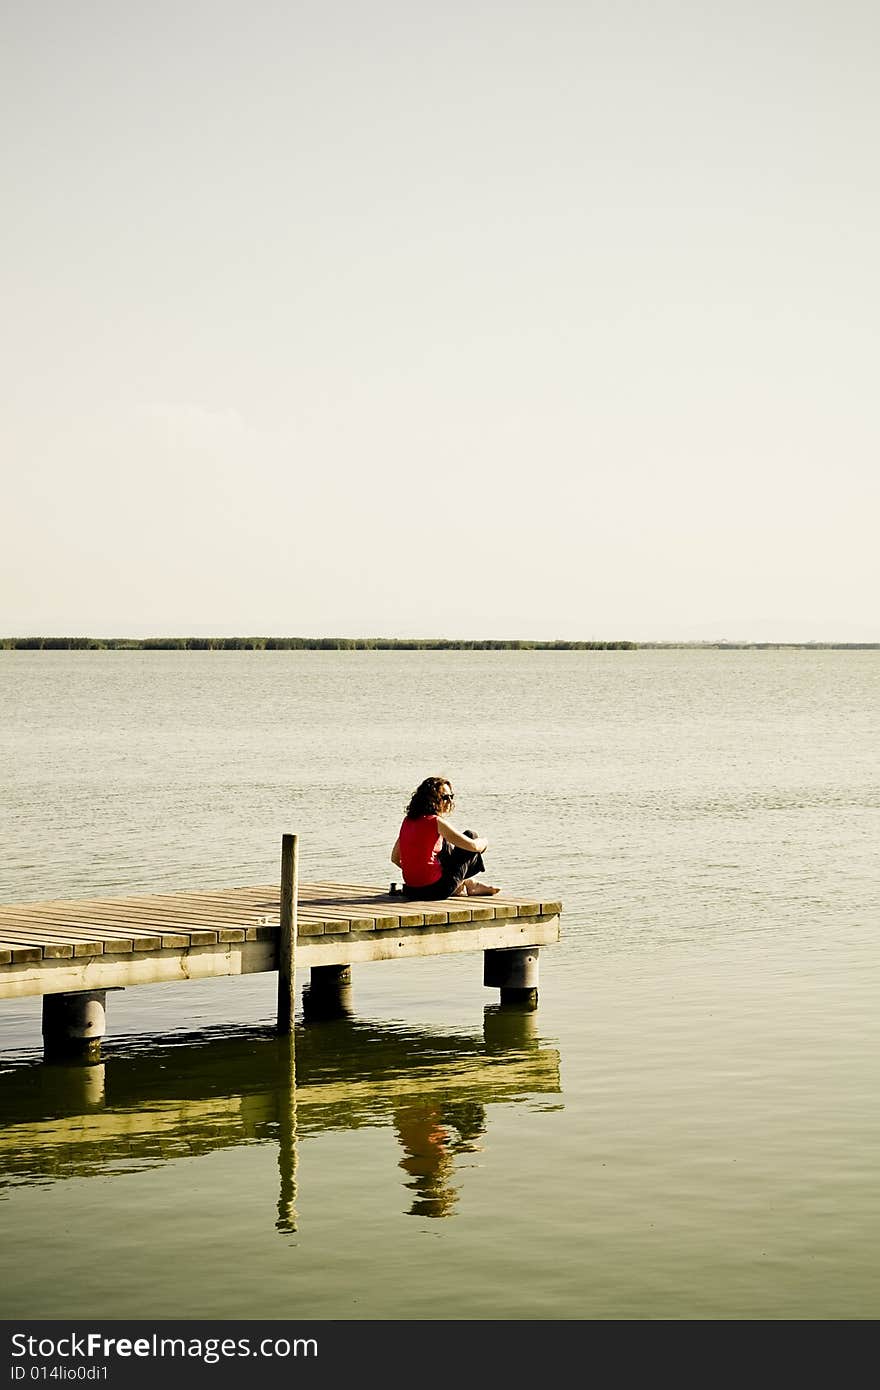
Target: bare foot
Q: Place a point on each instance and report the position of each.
(480, 890)
(460, 891)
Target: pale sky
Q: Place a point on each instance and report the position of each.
(477, 319)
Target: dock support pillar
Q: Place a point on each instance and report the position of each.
(513, 971)
(74, 1024)
(328, 993)
(287, 936)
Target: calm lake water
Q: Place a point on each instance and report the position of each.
(687, 1127)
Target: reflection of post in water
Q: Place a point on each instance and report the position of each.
(287, 1152)
(431, 1133)
(510, 1026)
(328, 994)
(84, 1086)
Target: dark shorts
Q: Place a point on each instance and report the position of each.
(456, 865)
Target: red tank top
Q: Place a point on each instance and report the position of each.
(419, 846)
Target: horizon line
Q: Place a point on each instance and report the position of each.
(36, 642)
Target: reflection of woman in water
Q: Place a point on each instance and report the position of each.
(438, 861)
(426, 1131)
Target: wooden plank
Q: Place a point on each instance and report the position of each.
(63, 924)
(369, 888)
(342, 927)
(125, 941)
(118, 916)
(58, 950)
(59, 917)
(146, 921)
(18, 955)
(164, 915)
(143, 938)
(353, 922)
(117, 943)
(354, 895)
(506, 910)
(168, 934)
(60, 924)
(230, 933)
(525, 907)
(128, 924)
(262, 933)
(235, 914)
(371, 921)
(370, 892)
(486, 907)
(41, 937)
(358, 912)
(358, 902)
(83, 944)
(454, 909)
(215, 896)
(409, 910)
(99, 918)
(207, 909)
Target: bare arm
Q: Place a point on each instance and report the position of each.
(455, 837)
(395, 853)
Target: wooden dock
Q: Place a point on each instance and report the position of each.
(106, 943)
(72, 951)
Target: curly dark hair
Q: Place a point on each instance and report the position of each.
(427, 799)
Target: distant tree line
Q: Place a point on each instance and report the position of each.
(286, 644)
(402, 644)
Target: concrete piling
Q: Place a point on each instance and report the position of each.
(514, 972)
(74, 1024)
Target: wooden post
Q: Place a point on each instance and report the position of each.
(287, 935)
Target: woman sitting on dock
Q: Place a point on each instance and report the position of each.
(438, 861)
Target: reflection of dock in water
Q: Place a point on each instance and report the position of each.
(160, 1103)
